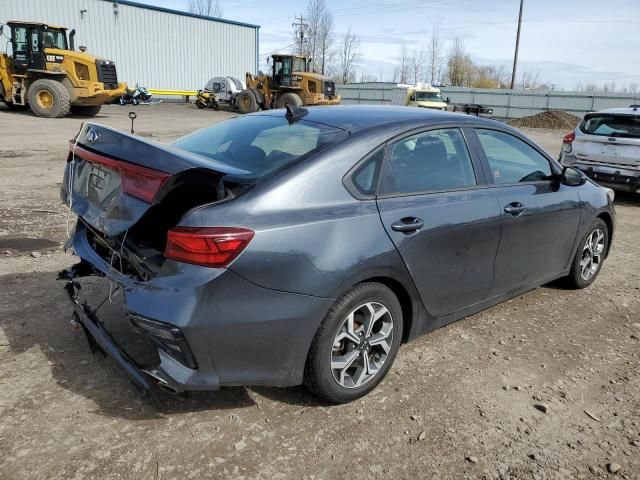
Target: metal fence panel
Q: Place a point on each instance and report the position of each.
(505, 103)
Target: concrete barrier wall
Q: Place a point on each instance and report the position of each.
(505, 103)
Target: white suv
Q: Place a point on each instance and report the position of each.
(606, 147)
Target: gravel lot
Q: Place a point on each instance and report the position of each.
(458, 403)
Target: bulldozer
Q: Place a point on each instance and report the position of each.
(45, 73)
(291, 84)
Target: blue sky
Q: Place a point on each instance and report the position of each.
(568, 41)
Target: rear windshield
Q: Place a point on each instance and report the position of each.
(612, 126)
(262, 145)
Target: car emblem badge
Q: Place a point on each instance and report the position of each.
(93, 136)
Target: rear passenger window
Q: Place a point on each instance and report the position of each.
(364, 178)
(428, 161)
(511, 160)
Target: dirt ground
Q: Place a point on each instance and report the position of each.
(470, 387)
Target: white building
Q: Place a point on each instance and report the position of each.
(152, 46)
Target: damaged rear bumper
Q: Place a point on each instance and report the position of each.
(169, 375)
(100, 340)
(238, 333)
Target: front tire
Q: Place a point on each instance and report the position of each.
(290, 99)
(247, 102)
(49, 98)
(355, 344)
(589, 257)
(85, 110)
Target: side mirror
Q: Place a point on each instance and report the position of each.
(448, 100)
(412, 98)
(1, 29)
(572, 177)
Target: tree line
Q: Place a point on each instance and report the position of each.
(437, 61)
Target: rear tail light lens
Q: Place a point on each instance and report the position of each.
(207, 246)
(167, 337)
(140, 182)
(569, 137)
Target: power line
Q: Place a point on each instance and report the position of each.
(278, 50)
(300, 29)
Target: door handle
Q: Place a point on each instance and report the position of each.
(408, 225)
(514, 208)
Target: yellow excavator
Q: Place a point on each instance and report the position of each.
(290, 84)
(45, 72)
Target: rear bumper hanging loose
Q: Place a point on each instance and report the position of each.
(100, 340)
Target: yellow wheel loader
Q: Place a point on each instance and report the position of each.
(46, 73)
(290, 84)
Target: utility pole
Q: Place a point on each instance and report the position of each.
(300, 27)
(515, 57)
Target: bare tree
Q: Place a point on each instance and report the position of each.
(529, 79)
(367, 77)
(489, 76)
(434, 57)
(349, 57)
(403, 69)
(325, 41)
(417, 63)
(633, 87)
(318, 34)
(208, 8)
(460, 67)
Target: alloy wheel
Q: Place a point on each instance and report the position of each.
(362, 345)
(592, 254)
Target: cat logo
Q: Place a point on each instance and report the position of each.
(55, 58)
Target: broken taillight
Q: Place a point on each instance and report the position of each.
(138, 181)
(207, 246)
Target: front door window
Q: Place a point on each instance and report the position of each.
(511, 160)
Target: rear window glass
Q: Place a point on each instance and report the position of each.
(262, 145)
(612, 126)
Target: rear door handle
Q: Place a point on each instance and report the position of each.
(514, 208)
(408, 225)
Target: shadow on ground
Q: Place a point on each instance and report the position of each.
(37, 313)
(627, 199)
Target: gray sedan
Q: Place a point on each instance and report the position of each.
(305, 246)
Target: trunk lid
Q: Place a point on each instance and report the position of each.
(112, 179)
(624, 152)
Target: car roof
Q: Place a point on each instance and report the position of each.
(361, 117)
(621, 111)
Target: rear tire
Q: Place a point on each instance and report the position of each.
(85, 111)
(49, 98)
(348, 358)
(293, 100)
(589, 257)
(200, 105)
(247, 102)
